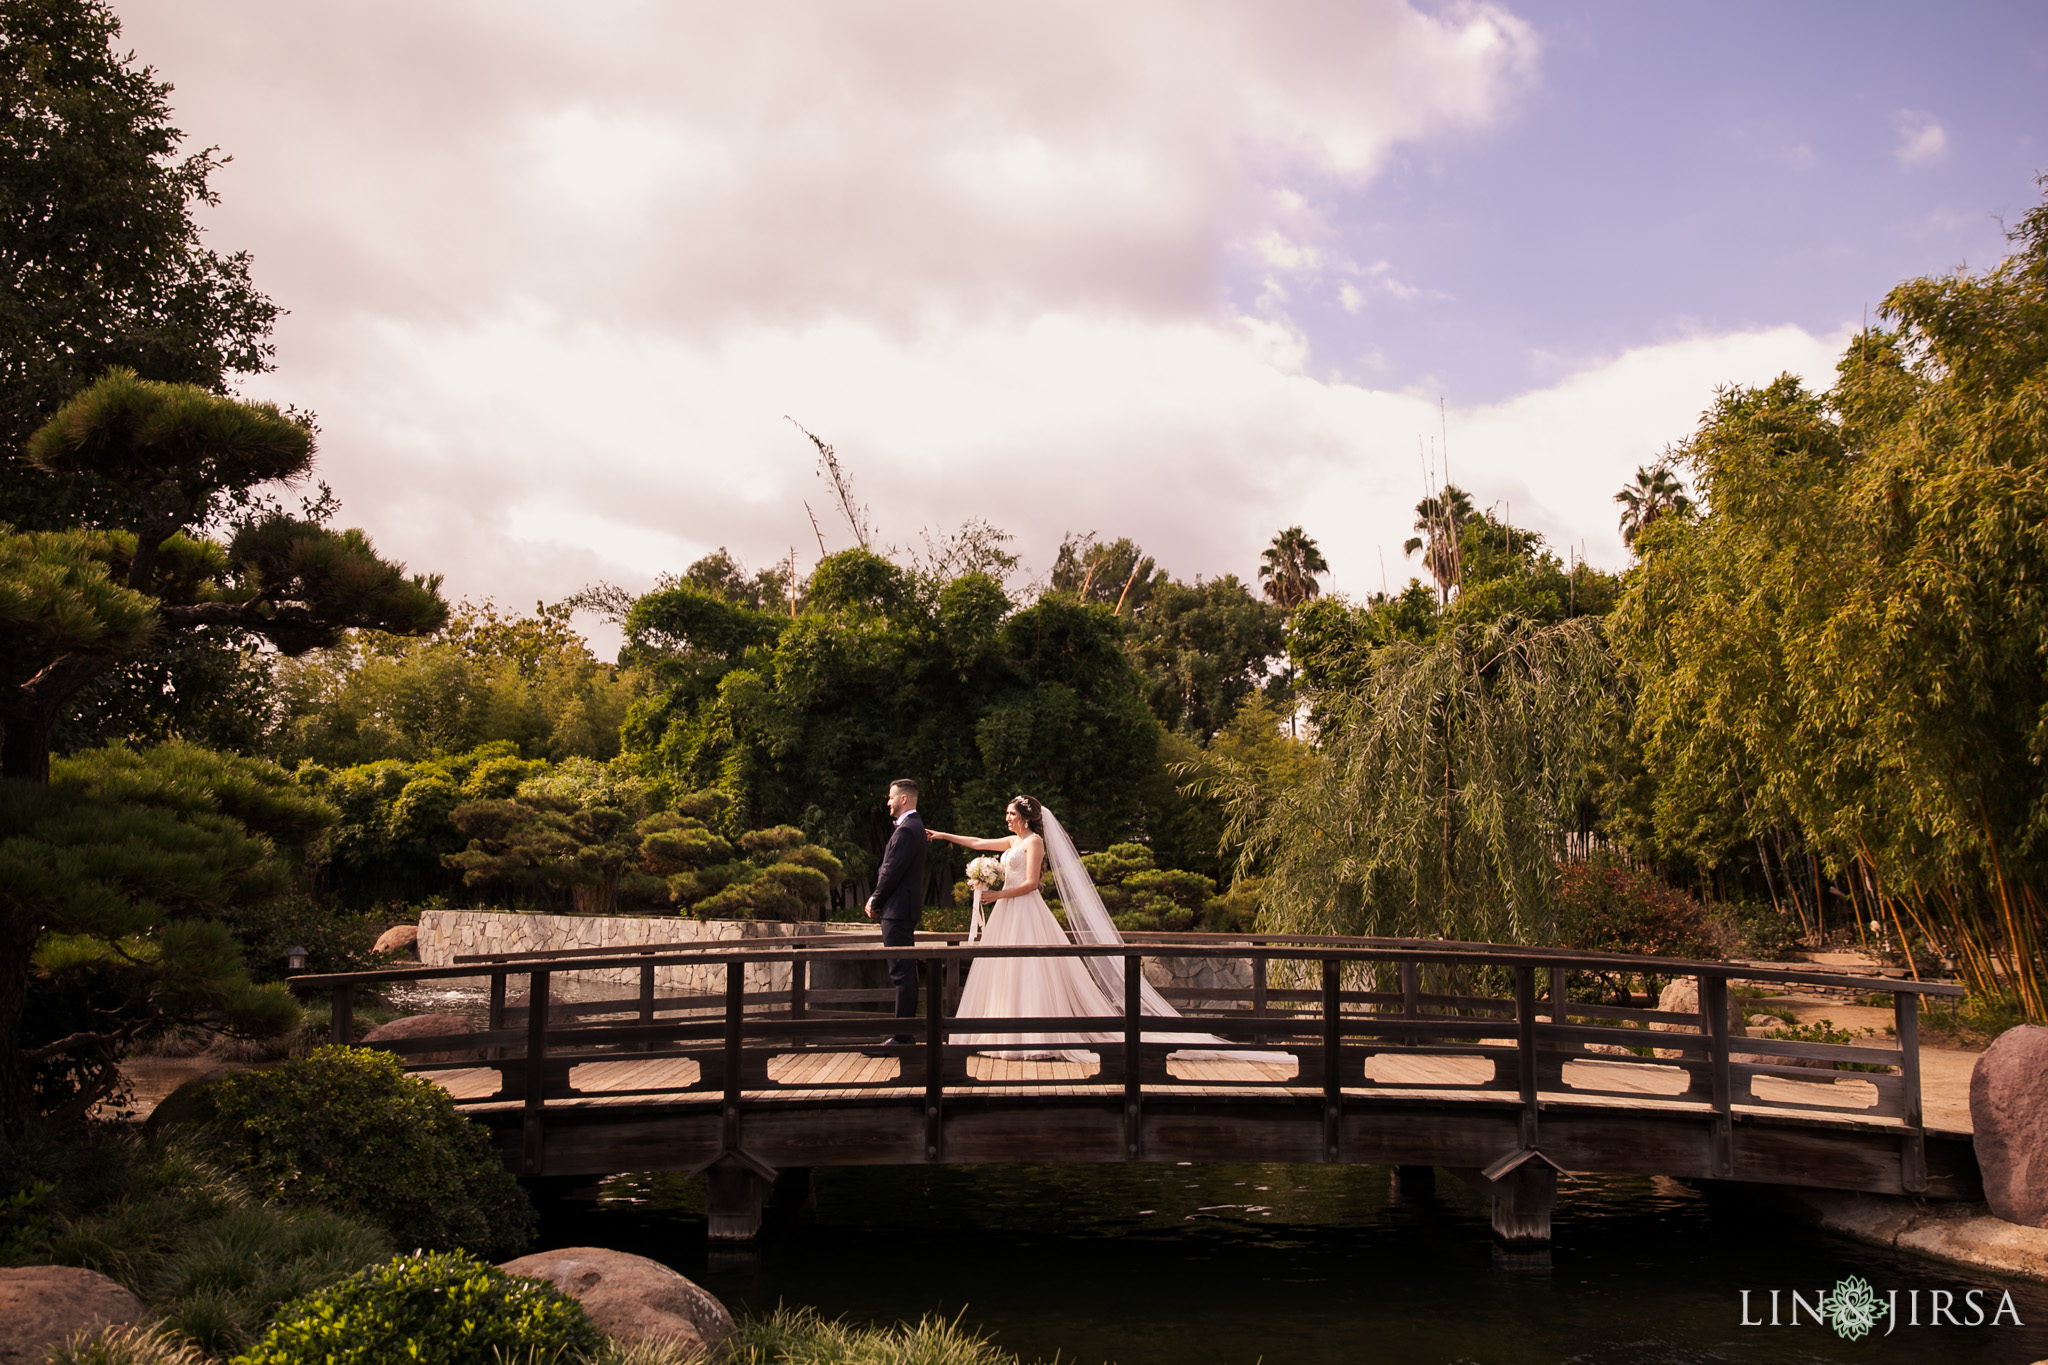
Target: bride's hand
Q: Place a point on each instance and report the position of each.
(934, 835)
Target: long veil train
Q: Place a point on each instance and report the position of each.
(1089, 922)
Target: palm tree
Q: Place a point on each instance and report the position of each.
(1656, 492)
(1441, 518)
(1291, 565)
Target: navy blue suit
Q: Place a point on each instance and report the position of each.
(899, 905)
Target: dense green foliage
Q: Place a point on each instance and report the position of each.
(1498, 571)
(346, 1129)
(432, 1308)
(484, 678)
(100, 249)
(805, 720)
(186, 457)
(1605, 905)
(1840, 662)
(1201, 649)
(121, 881)
(207, 1257)
(1438, 789)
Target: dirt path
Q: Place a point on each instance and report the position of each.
(1944, 1068)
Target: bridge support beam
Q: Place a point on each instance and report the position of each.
(733, 1196)
(1522, 1200)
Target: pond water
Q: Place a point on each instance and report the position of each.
(1296, 1265)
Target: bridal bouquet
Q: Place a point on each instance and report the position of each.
(986, 873)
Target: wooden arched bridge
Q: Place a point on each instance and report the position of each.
(756, 1058)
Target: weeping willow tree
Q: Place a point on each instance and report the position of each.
(1443, 784)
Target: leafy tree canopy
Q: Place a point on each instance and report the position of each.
(80, 601)
(885, 673)
(1439, 789)
(485, 677)
(1849, 640)
(1499, 571)
(101, 251)
(117, 881)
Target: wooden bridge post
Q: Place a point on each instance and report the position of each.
(799, 983)
(735, 1053)
(1714, 1021)
(1411, 995)
(733, 1196)
(341, 1021)
(1258, 979)
(1333, 1042)
(532, 1153)
(1525, 1054)
(1913, 1147)
(1523, 1202)
(497, 1014)
(1134, 1047)
(934, 1059)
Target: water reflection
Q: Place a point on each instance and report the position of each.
(1185, 1265)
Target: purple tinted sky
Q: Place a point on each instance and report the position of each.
(1689, 167)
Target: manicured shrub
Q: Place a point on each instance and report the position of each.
(345, 1129)
(1605, 905)
(433, 1308)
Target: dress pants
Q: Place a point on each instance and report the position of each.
(901, 933)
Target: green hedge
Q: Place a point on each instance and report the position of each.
(346, 1129)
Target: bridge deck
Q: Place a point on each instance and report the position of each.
(1386, 1052)
(867, 1077)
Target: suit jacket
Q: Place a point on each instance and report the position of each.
(899, 884)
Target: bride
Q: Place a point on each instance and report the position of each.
(1053, 987)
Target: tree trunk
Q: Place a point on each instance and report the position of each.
(17, 1091)
(25, 747)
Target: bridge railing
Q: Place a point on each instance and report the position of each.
(1328, 1032)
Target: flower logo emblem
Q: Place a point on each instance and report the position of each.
(1853, 1309)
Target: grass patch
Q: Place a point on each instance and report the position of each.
(802, 1336)
(212, 1261)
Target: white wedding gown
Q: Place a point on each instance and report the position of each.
(1030, 987)
(1064, 987)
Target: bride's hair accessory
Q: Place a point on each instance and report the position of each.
(1033, 813)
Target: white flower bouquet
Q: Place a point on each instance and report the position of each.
(986, 873)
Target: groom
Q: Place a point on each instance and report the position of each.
(899, 895)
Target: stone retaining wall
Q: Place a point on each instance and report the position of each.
(447, 934)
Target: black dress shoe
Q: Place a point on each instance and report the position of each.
(899, 1041)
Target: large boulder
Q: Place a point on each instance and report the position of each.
(400, 938)
(1682, 996)
(190, 1103)
(2009, 1122)
(425, 1026)
(630, 1297)
(41, 1305)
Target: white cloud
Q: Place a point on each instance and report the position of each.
(692, 166)
(1922, 141)
(567, 454)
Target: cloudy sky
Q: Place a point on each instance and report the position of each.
(1189, 272)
